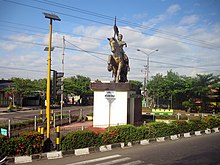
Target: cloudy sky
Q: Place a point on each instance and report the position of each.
(186, 33)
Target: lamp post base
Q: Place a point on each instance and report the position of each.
(48, 145)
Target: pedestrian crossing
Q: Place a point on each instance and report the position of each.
(110, 160)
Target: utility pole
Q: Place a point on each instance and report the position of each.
(51, 17)
(62, 79)
(145, 79)
(146, 75)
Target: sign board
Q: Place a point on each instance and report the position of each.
(4, 131)
(110, 95)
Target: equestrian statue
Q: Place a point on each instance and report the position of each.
(118, 62)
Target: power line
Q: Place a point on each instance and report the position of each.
(177, 65)
(168, 38)
(88, 52)
(15, 68)
(123, 21)
(134, 47)
(105, 54)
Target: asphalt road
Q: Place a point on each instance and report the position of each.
(29, 114)
(200, 150)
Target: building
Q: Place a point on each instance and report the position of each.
(5, 97)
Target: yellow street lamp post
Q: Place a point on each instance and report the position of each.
(51, 17)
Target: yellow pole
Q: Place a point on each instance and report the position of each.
(48, 81)
(42, 135)
(39, 129)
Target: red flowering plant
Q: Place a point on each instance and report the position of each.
(26, 143)
(110, 137)
(29, 143)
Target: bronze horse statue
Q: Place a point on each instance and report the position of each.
(116, 62)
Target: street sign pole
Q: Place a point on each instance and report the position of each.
(110, 100)
(110, 96)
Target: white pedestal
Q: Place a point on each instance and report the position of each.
(121, 111)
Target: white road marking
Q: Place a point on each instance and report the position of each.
(114, 161)
(95, 160)
(134, 162)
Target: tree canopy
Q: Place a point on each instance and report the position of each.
(171, 90)
(77, 85)
(176, 89)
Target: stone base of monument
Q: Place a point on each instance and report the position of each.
(115, 104)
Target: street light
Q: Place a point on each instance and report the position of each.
(47, 48)
(55, 18)
(146, 77)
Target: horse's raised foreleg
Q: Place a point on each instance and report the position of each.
(114, 72)
(118, 71)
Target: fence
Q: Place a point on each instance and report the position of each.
(148, 117)
(15, 125)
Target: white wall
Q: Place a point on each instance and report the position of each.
(118, 112)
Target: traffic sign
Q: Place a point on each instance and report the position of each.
(110, 96)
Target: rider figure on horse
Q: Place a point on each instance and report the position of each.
(121, 44)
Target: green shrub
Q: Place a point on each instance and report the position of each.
(211, 122)
(162, 129)
(125, 133)
(173, 129)
(143, 132)
(80, 139)
(182, 127)
(197, 124)
(3, 145)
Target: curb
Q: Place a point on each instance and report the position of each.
(5, 110)
(105, 148)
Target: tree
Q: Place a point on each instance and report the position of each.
(202, 90)
(77, 85)
(156, 89)
(182, 91)
(25, 87)
(135, 84)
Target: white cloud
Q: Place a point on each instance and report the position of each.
(189, 20)
(173, 9)
(175, 53)
(8, 46)
(216, 28)
(140, 16)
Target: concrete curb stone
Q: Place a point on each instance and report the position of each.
(82, 151)
(174, 137)
(23, 159)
